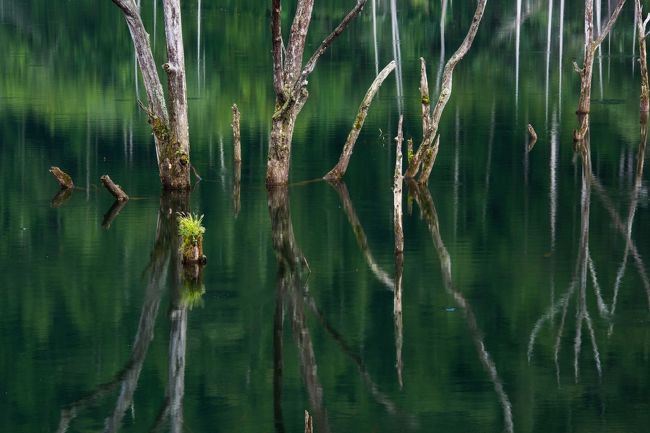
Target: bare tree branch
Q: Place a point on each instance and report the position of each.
(445, 92)
(341, 166)
(609, 24)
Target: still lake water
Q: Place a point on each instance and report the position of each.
(540, 323)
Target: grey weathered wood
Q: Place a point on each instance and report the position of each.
(586, 72)
(643, 61)
(175, 68)
(397, 191)
(170, 128)
(290, 81)
(236, 134)
(445, 94)
(341, 167)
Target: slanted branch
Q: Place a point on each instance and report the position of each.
(114, 189)
(425, 153)
(341, 167)
(63, 178)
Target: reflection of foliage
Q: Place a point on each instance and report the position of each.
(192, 294)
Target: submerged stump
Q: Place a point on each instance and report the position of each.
(62, 178)
(191, 230)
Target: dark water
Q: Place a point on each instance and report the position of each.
(525, 302)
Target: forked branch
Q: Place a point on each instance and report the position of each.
(445, 93)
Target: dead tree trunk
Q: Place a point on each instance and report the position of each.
(641, 25)
(170, 128)
(290, 81)
(586, 72)
(339, 170)
(425, 153)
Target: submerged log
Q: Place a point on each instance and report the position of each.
(62, 177)
(114, 189)
(341, 167)
(236, 134)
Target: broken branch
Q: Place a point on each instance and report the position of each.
(341, 167)
(114, 189)
(62, 177)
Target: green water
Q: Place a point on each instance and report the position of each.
(525, 304)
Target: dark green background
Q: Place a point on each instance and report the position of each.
(73, 291)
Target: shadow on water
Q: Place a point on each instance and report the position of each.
(585, 268)
(186, 290)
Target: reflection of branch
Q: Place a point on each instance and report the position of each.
(128, 377)
(423, 197)
(379, 396)
(362, 240)
(625, 229)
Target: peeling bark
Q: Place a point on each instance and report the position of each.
(341, 167)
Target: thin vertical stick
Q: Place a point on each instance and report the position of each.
(397, 192)
(236, 133)
(399, 253)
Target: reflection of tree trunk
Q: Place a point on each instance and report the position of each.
(293, 271)
(278, 363)
(423, 197)
(342, 191)
(164, 248)
(177, 349)
(236, 188)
